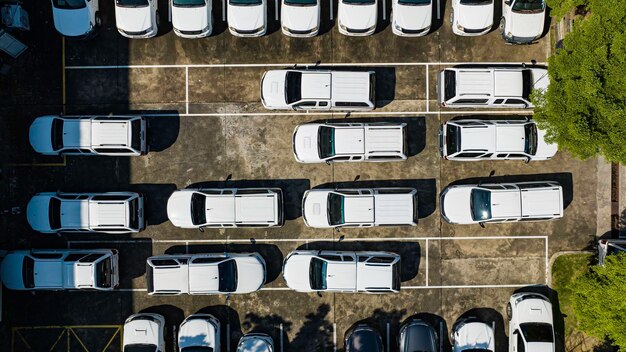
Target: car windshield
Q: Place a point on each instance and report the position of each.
(28, 272)
(317, 274)
(198, 209)
(103, 273)
(140, 347)
(335, 209)
(293, 81)
(414, 2)
(133, 213)
(528, 6)
(188, 3)
(480, 204)
(57, 134)
(476, 2)
(527, 83)
(530, 146)
(196, 349)
(69, 4)
(537, 332)
(301, 2)
(228, 276)
(136, 134)
(453, 139)
(365, 341)
(54, 213)
(359, 2)
(326, 142)
(131, 3)
(245, 2)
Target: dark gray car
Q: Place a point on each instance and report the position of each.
(363, 338)
(417, 335)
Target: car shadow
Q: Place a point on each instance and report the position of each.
(162, 132)
(230, 327)
(426, 191)
(410, 252)
(155, 200)
(438, 12)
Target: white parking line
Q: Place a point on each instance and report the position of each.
(438, 9)
(223, 10)
(334, 334)
(384, 19)
(332, 5)
(388, 338)
(276, 9)
(547, 263)
(338, 115)
(427, 89)
(281, 338)
(186, 90)
(426, 264)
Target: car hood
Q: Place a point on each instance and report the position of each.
(475, 16)
(250, 274)
(314, 208)
(273, 88)
(305, 143)
(196, 332)
(246, 18)
(296, 272)
(473, 335)
(40, 134)
(37, 213)
(133, 19)
(456, 204)
(300, 18)
(357, 16)
(413, 17)
(141, 331)
(11, 271)
(534, 310)
(527, 25)
(72, 23)
(179, 208)
(190, 18)
(545, 150)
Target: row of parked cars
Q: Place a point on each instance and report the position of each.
(531, 328)
(522, 21)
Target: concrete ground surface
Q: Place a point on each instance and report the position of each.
(207, 128)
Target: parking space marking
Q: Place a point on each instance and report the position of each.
(276, 9)
(332, 5)
(384, 19)
(67, 331)
(426, 283)
(187, 90)
(427, 88)
(335, 114)
(438, 9)
(223, 10)
(334, 337)
(281, 338)
(388, 337)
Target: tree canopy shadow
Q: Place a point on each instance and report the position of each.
(315, 334)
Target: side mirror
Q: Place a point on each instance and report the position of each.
(482, 224)
(201, 229)
(527, 160)
(327, 162)
(508, 2)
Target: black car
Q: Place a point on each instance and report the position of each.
(417, 335)
(363, 338)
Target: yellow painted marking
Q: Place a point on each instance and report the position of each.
(64, 163)
(111, 340)
(67, 331)
(63, 70)
(23, 340)
(78, 339)
(57, 341)
(68, 340)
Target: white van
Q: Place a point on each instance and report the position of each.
(490, 87)
(318, 90)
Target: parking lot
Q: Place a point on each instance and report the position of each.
(207, 128)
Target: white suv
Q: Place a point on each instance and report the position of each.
(337, 142)
(137, 19)
(89, 135)
(247, 18)
(522, 20)
(330, 208)
(110, 212)
(192, 18)
(300, 18)
(226, 207)
(490, 86)
(144, 332)
(504, 202)
(473, 140)
(61, 269)
(531, 324)
(76, 18)
(205, 274)
(369, 272)
(320, 90)
(357, 17)
(471, 17)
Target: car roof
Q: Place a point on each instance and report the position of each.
(349, 141)
(542, 201)
(316, 85)
(256, 207)
(75, 214)
(170, 278)
(110, 133)
(370, 275)
(341, 275)
(350, 86)
(394, 208)
(358, 209)
(510, 138)
(489, 82)
(383, 139)
(204, 277)
(220, 208)
(77, 133)
(505, 203)
(108, 213)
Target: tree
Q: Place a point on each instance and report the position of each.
(599, 302)
(584, 108)
(560, 8)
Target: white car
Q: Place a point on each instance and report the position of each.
(76, 18)
(610, 247)
(473, 140)
(503, 202)
(411, 18)
(472, 17)
(110, 212)
(61, 269)
(522, 21)
(369, 272)
(531, 325)
(137, 19)
(320, 90)
(472, 335)
(192, 18)
(199, 333)
(300, 18)
(255, 342)
(338, 142)
(247, 18)
(357, 17)
(330, 208)
(226, 207)
(89, 135)
(144, 332)
(205, 274)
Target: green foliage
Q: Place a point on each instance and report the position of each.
(560, 8)
(599, 300)
(584, 108)
(565, 270)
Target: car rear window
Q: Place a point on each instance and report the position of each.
(133, 208)
(104, 273)
(28, 272)
(136, 134)
(54, 213)
(326, 142)
(198, 209)
(480, 204)
(227, 276)
(449, 79)
(317, 274)
(453, 139)
(57, 134)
